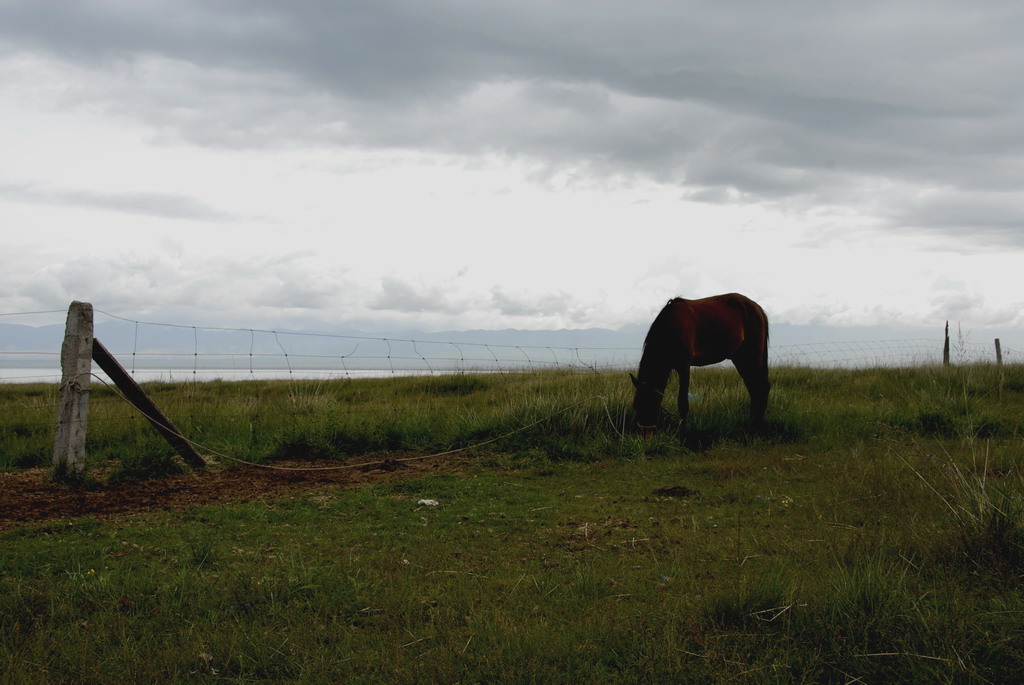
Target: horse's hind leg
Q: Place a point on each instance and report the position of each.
(755, 377)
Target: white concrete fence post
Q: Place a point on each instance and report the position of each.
(76, 374)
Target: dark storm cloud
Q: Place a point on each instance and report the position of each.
(859, 105)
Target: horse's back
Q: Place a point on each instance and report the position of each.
(713, 329)
(734, 301)
(729, 309)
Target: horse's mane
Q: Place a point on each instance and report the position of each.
(659, 319)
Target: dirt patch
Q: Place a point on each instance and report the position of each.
(676, 491)
(30, 497)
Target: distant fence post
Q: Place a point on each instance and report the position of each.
(76, 371)
(945, 348)
(999, 353)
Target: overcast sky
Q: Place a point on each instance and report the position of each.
(531, 164)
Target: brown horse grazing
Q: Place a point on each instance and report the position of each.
(698, 333)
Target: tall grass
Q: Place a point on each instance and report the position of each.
(571, 415)
(985, 499)
(563, 415)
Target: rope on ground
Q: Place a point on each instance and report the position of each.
(341, 467)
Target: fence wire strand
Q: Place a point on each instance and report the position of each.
(168, 351)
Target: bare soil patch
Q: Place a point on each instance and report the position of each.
(30, 497)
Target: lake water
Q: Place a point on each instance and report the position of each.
(39, 375)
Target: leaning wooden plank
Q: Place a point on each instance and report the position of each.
(140, 399)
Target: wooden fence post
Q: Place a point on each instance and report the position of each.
(76, 372)
(945, 348)
(999, 353)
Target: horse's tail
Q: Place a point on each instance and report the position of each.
(764, 349)
(762, 325)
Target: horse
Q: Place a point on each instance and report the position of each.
(699, 333)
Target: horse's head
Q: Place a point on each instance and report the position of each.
(647, 405)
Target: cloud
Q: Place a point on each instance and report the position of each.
(400, 296)
(894, 124)
(955, 301)
(196, 288)
(997, 216)
(162, 205)
(729, 101)
(446, 302)
(522, 305)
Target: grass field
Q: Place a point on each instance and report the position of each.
(872, 532)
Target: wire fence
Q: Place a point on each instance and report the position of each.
(30, 352)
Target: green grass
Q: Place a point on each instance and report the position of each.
(873, 531)
(582, 416)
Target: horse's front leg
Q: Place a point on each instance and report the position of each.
(683, 403)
